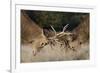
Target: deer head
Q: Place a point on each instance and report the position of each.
(64, 38)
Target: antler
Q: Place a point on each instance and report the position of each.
(65, 27)
(53, 29)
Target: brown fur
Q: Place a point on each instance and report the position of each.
(82, 30)
(31, 32)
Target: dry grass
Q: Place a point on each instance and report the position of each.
(56, 53)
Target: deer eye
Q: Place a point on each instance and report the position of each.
(42, 44)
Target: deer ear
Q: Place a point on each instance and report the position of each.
(48, 33)
(45, 32)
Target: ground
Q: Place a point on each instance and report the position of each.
(56, 53)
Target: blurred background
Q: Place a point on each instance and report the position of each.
(57, 19)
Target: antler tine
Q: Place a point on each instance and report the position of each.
(53, 29)
(65, 27)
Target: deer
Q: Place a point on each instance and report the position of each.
(63, 37)
(32, 33)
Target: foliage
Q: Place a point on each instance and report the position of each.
(57, 19)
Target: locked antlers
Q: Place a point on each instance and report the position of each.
(65, 27)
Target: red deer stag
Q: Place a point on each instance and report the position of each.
(31, 32)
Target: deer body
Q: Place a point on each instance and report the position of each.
(32, 33)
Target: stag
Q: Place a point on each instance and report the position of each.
(32, 33)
